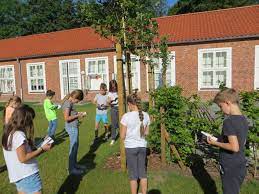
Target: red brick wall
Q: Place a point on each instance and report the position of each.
(186, 70)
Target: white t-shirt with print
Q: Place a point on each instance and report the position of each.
(132, 122)
(114, 98)
(16, 169)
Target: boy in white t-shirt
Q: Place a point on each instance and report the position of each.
(135, 126)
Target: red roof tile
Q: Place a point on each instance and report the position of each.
(203, 26)
(211, 25)
(61, 42)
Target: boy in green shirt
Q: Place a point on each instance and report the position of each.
(50, 112)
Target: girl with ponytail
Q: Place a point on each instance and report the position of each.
(135, 127)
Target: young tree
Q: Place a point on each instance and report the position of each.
(165, 56)
(128, 23)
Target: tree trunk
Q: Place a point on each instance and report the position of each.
(121, 99)
(128, 64)
(163, 76)
(150, 85)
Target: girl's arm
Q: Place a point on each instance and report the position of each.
(24, 156)
(123, 131)
(68, 117)
(147, 130)
(232, 144)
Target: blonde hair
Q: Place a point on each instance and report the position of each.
(76, 94)
(225, 95)
(135, 100)
(15, 99)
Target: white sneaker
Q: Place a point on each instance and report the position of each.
(112, 142)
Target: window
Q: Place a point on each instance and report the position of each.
(96, 72)
(7, 81)
(36, 77)
(170, 71)
(135, 72)
(214, 68)
(69, 76)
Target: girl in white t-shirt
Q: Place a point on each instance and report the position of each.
(17, 142)
(133, 131)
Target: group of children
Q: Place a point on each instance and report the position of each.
(20, 152)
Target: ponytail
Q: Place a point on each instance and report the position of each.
(65, 98)
(135, 100)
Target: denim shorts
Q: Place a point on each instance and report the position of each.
(102, 117)
(30, 184)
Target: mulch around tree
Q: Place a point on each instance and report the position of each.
(154, 163)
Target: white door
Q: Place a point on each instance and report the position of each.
(256, 78)
(69, 76)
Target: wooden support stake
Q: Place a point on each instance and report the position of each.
(163, 143)
(121, 100)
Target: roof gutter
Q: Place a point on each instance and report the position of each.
(59, 54)
(229, 39)
(187, 42)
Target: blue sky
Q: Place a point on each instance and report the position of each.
(171, 2)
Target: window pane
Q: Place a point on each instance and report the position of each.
(91, 67)
(33, 71)
(221, 76)
(73, 83)
(2, 85)
(207, 78)
(40, 84)
(156, 64)
(64, 68)
(207, 60)
(40, 70)
(10, 72)
(10, 86)
(73, 68)
(105, 78)
(101, 66)
(221, 59)
(33, 84)
(2, 70)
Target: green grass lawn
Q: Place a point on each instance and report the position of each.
(97, 180)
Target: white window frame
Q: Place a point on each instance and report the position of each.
(256, 72)
(173, 69)
(28, 65)
(61, 75)
(125, 70)
(228, 69)
(14, 84)
(105, 58)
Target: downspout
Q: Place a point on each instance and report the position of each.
(20, 74)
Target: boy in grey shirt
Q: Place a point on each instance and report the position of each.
(101, 101)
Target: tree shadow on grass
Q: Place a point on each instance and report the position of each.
(72, 182)
(202, 176)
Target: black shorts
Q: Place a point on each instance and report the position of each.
(232, 178)
(136, 162)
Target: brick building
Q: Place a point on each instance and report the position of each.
(206, 48)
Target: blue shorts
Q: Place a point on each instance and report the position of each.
(30, 184)
(103, 117)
